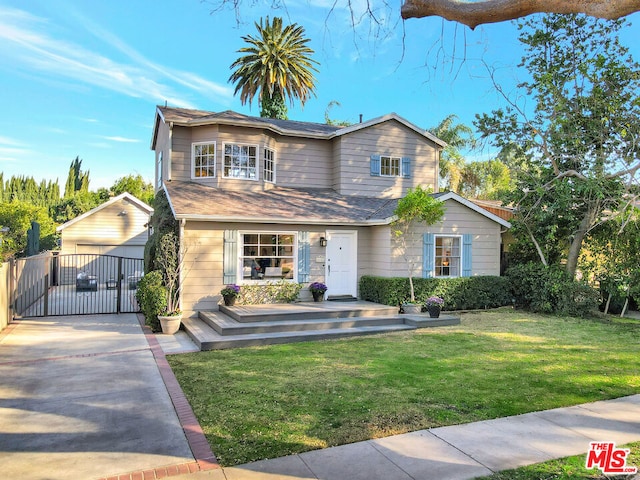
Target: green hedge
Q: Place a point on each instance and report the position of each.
(468, 293)
(550, 290)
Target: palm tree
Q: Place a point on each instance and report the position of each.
(458, 136)
(277, 65)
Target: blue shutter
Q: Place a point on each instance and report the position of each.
(466, 254)
(428, 255)
(375, 165)
(304, 257)
(230, 257)
(406, 167)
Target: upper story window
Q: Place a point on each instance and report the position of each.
(269, 168)
(203, 159)
(240, 161)
(448, 256)
(390, 166)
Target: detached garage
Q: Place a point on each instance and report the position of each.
(118, 227)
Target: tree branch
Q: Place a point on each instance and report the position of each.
(473, 14)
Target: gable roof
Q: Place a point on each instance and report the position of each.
(123, 196)
(285, 205)
(192, 118)
(476, 208)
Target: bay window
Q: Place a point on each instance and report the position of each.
(240, 161)
(203, 160)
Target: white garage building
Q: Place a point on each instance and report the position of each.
(118, 227)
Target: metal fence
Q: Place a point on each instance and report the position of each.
(76, 284)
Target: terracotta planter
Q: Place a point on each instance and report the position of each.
(229, 300)
(318, 296)
(411, 308)
(434, 311)
(170, 324)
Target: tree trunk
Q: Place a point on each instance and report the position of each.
(586, 223)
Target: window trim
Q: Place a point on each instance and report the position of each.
(435, 257)
(264, 164)
(240, 265)
(391, 158)
(257, 147)
(193, 159)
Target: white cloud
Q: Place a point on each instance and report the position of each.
(122, 139)
(26, 44)
(10, 142)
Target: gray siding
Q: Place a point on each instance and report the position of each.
(341, 163)
(353, 176)
(458, 220)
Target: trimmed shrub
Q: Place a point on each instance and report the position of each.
(152, 298)
(550, 290)
(466, 293)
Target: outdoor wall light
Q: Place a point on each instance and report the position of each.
(323, 242)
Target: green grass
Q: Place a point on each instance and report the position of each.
(570, 468)
(265, 402)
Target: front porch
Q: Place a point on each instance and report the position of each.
(254, 325)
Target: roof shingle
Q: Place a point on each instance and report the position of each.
(278, 204)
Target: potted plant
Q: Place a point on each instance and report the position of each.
(317, 290)
(170, 262)
(229, 293)
(417, 206)
(434, 305)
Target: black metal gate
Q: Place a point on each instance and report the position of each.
(77, 284)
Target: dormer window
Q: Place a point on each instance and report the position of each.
(240, 161)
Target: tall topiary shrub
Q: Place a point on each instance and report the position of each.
(152, 298)
(162, 222)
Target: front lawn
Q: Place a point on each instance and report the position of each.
(266, 402)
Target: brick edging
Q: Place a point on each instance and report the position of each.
(192, 429)
(204, 457)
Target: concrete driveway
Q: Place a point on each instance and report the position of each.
(82, 397)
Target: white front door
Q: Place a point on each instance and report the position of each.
(342, 263)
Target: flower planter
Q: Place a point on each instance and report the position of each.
(170, 324)
(318, 296)
(434, 311)
(411, 308)
(229, 300)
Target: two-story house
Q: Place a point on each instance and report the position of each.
(262, 200)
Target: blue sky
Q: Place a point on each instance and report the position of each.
(82, 78)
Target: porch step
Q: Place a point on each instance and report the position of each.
(307, 311)
(225, 325)
(208, 339)
(341, 298)
(301, 322)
